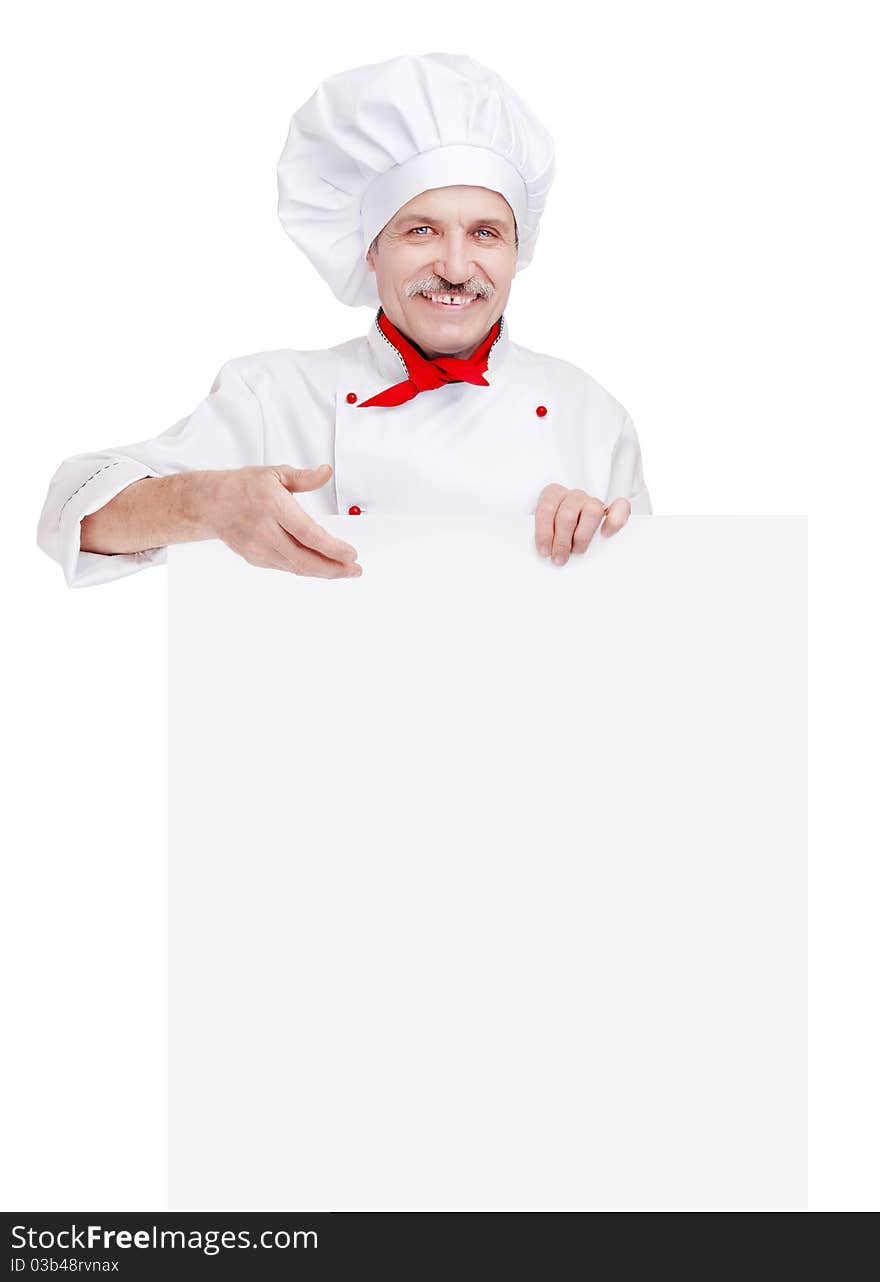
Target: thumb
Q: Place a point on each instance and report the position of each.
(303, 478)
(616, 516)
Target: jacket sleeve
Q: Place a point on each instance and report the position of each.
(224, 431)
(627, 480)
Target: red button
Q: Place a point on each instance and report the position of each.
(354, 510)
(351, 398)
(541, 411)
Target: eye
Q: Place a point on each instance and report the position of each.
(423, 227)
(491, 233)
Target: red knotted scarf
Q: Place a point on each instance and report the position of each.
(424, 375)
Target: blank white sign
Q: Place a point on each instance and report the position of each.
(487, 876)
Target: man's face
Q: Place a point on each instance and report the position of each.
(458, 241)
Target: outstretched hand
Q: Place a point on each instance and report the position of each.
(254, 512)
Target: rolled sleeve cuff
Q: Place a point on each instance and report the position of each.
(84, 569)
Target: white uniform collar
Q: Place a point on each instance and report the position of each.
(391, 366)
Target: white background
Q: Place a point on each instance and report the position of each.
(708, 254)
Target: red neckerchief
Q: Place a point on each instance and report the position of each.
(424, 375)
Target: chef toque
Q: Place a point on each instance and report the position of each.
(370, 139)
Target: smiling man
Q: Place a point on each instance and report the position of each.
(469, 233)
(416, 184)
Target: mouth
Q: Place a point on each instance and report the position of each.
(451, 302)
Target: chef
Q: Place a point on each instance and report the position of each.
(415, 187)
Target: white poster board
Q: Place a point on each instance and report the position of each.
(488, 876)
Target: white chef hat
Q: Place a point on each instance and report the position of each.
(370, 139)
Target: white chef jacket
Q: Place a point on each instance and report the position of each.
(459, 448)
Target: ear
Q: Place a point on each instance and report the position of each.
(368, 258)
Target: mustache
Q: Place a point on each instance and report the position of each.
(437, 285)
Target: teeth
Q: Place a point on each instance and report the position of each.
(451, 300)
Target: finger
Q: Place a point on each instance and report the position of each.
(545, 513)
(278, 563)
(298, 524)
(303, 478)
(567, 517)
(588, 523)
(302, 560)
(618, 515)
(267, 560)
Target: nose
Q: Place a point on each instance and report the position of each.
(454, 262)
